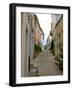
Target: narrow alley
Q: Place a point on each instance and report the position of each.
(41, 39)
(46, 64)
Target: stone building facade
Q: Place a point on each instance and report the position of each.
(57, 34)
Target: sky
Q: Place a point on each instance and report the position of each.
(45, 23)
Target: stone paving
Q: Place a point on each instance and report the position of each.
(46, 64)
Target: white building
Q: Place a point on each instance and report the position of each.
(26, 43)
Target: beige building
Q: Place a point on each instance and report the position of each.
(57, 34)
(55, 19)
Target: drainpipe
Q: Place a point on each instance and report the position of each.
(30, 41)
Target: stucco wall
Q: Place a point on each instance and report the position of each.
(24, 44)
(58, 37)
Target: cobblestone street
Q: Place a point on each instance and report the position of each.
(45, 63)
